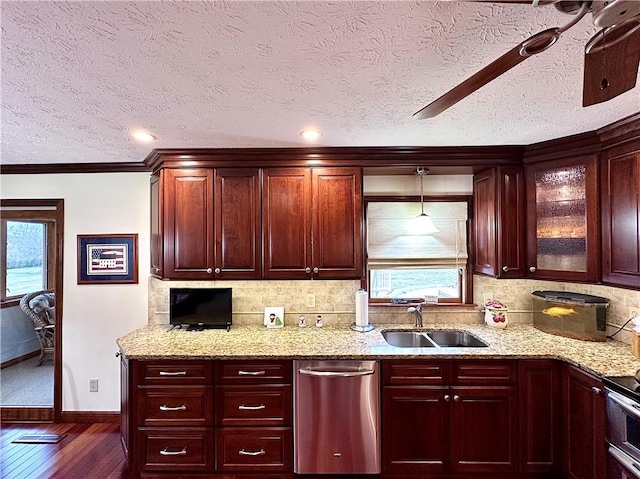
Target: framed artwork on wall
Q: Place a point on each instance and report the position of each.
(108, 259)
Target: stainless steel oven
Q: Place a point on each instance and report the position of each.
(623, 428)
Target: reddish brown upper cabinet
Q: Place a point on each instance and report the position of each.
(205, 224)
(499, 220)
(585, 447)
(621, 219)
(312, 223)
(563, 237)
(157, 260)
(188, 223)
(238, 239)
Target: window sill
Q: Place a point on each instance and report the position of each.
(9, 303)
(424, 305)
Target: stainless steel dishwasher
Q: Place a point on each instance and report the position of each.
(336, 417)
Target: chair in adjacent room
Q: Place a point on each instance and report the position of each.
(40, 308)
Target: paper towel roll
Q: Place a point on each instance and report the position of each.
(362, 308)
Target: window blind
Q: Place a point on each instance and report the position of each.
(393, 241)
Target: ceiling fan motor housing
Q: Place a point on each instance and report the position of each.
(608, 14)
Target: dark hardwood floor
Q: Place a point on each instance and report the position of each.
(89, 451)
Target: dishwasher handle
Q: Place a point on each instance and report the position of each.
(335, 374)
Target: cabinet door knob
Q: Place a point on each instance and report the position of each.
(505, 268)
(156, 269)
(316, 270)
(447, 397)
(307, 270)
(209, 270)
(532, 269)
(596, 390)
(217, 270)
(456, 397)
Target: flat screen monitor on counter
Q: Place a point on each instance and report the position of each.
(200, 308)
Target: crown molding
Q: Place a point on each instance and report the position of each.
(54, 168)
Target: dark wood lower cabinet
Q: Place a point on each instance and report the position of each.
(175, 449)
(484, 429)
(585, 448)
(415, 429)
(539, 394)
(447, 428)
(457, 419)
(257, 449)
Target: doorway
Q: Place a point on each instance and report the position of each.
(43, 405)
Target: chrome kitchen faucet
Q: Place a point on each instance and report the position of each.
(418, 311)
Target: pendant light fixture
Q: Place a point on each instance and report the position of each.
(423, 223)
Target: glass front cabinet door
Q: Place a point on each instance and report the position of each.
(562, 204)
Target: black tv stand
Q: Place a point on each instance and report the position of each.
(201, 327)
(196, 327)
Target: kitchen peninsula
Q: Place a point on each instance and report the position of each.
(610, 358)
(529, 405)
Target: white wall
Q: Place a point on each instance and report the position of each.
(94, 316)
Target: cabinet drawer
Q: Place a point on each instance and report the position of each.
(177, 450)
(253, 449)
(484, 372)
(253, 405)
(175, 372)
(175, 405)
(253, 372)
(415, 372)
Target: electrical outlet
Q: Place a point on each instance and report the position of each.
(486, 297)
(634, 311)
(311, 301)
(93, 385)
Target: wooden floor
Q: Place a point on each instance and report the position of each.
(90, 451)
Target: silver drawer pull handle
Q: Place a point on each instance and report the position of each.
(242, 452)
(242, 407)
(176, 373)
(164, 407)
(164, 452)
(251, 373)
(336, 374)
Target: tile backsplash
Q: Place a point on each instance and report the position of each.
(335, 301)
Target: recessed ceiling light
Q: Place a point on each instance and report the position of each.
(143, 136)
(310, 134)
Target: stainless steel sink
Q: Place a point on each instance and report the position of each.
(432, 339)
(407, 339)
(455, 339)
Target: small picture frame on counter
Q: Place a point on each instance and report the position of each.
(274, 316)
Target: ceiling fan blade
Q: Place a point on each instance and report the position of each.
(533, 45)
(611, 62)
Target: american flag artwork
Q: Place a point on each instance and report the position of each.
(106, 259)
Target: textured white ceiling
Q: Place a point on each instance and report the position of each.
(77, 76)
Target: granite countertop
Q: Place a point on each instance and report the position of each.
(610, 358)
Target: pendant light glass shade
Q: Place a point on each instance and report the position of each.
(423, 224)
